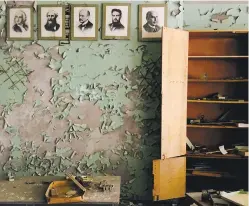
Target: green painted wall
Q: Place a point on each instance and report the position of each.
(91, 107)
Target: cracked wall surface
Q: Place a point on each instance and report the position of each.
(92, 107)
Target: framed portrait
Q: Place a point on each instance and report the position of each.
(51, 22)
(116, 21)
(152, 18)
(84, 22)
(20, 24)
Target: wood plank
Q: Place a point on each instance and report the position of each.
(174, 92)
(27, 190)
(217, 156)
(216, 34)
(169, 178)
(218, 57)
(217, 102)
(218, 80)
(196, 198)
(215, 127)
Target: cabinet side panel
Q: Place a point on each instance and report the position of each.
(156, 179)
(174, 92)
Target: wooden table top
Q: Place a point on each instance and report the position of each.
(28, 190)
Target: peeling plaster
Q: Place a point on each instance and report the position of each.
(215, 16)
(91, 107)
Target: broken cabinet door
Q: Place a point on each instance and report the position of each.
(174, 92)
(169, 178)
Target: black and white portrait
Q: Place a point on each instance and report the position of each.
(151, 24)
(84, 22)
(20, 24)
(116, 16)
(151, 21)
(51, 22)
(117, 20)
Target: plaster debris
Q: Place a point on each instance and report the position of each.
(56, 65)
(11, 177)
(41, 55)
(175, 12)
(220, 17)
(46, 138)
(2, 149)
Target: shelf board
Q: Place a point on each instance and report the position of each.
(218, 80)
(215, 126)
(219, 57)
(217, 102)
(196, 175)
(216, 156)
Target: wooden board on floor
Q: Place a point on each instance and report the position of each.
(169, 178)
(174, 92)
(27, 190)
(196, 198)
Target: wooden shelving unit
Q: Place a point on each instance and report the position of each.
(222, 58)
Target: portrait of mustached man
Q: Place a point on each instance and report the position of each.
(52, 24)
(20, 19)
(116, 20)
(85, 24)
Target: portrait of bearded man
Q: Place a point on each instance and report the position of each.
(52, 24)
(116, 20)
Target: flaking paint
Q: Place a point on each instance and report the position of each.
(92, 107)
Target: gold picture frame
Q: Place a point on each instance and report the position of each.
(151, 35)
(127, 21)
(95, 24)
(41, 24)
(14, 35)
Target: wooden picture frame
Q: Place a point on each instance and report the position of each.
(20, 23)
(112, 11)
(55, 31)
(90, 30)
(146, 32)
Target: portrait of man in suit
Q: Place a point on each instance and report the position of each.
(85, 24)
(116, 18)
(20, 24)
(52, 24)
(152, 22)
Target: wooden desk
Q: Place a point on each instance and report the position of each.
(20, 191)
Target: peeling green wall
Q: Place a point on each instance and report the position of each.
(91, 107)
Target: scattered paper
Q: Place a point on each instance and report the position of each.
(222, 150)
(191, 146)
(242, 125)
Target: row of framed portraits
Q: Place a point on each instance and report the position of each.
(116, 22)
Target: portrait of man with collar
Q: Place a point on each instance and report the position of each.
(20, 22)
(152, 22)
(85, 24)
